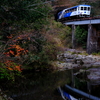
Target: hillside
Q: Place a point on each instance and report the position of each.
(30, 38)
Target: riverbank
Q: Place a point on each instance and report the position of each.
(72, 59)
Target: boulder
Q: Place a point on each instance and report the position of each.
(94, 75)
(96, 64)
(84, 60)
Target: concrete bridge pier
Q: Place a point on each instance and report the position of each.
(92, 39)
(89, 39)
(73, 36)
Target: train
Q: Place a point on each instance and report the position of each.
(78, 11)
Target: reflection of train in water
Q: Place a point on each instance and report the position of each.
(75, 12)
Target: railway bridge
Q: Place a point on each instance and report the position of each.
(93, 28)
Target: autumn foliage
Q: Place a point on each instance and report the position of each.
(15, 50)
(10, 65)
(24, 43)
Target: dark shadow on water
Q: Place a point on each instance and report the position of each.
(40, 86)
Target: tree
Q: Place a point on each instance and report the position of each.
(20, 37)
(81, 36)
(27, 11)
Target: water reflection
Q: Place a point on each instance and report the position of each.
(43, 85)
(82, 83)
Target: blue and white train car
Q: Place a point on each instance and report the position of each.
(76, 11)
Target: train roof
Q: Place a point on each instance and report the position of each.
(77, 6)
(84, 5)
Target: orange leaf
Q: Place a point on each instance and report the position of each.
(9, 68)
(28, 38)
(11, 52)
(18, 68)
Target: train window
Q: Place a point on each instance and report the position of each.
(66, 11)
(81, 8)
(85, 8)
(75, 9)
(72, 9)
(88, 8)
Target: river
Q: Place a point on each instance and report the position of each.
(41, 86)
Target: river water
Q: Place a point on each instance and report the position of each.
(41, 86)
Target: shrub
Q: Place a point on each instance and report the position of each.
(81, 36)
(8, 70)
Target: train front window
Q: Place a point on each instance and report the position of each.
(88, 8)
(81, 8)
(85, 8)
